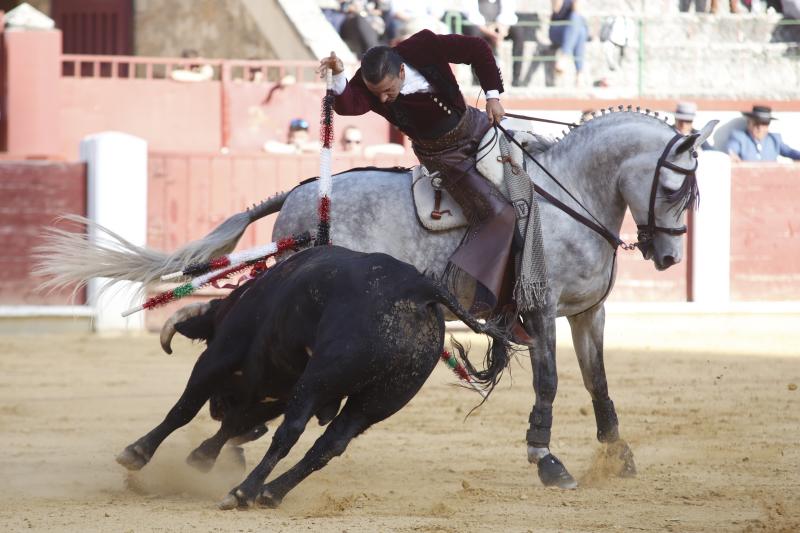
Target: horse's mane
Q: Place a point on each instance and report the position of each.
(687, 196)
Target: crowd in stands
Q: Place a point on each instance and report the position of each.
(752, 143)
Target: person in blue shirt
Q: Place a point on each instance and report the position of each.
(756, 143)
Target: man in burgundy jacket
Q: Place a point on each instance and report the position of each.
(412, 86)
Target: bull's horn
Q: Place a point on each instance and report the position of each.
(184, 313)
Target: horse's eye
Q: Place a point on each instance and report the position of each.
(667, 191)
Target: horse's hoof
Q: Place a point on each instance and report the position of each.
(622, 453)
(553, 473)
(133, 457)
(200, 461)
(267, 499)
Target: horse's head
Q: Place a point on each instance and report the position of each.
(659, 185)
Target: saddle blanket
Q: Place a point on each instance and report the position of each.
(490, 165)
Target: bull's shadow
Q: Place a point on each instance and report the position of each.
(325, 325)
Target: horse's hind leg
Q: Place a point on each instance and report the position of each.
(552, 472)
(587, 338)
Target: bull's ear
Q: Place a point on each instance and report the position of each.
(197, 327)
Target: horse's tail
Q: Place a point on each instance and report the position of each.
(498, 354)
(67, 258)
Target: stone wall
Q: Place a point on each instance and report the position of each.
(215, 28)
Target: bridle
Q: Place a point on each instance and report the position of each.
(647, 232)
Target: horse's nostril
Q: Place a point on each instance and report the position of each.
(668, 261)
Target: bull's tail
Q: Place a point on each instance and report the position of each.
(67, 258)
(498, 355)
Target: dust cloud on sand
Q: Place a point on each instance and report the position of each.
(710, 407)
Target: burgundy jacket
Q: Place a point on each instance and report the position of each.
(424, 115)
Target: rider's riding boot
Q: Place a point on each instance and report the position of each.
(486, 250)
(507, 307)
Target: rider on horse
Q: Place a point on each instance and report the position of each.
(412, 86)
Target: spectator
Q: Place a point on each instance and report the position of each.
(407, 17)
(700, 6)
(362, 27)
(684, 121)
(297, 141)
(734, 5)
(353, 144)
(756, 143)
(193, 72)
(351, 140)
(568, 31)
(498, 20)
(789, 30)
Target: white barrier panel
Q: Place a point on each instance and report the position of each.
(711, 238)
(117, 199)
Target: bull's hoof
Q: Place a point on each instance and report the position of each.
(133, 457)
(267, 499)
(622, 454)
(199, 460)
(236, 455)
(228, 502)
(234, 500)
(255, 433)
(553, 473)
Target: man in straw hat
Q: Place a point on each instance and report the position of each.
(684, 121)
(756, 143)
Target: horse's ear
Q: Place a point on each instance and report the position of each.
(705, 133)
(696, 140)
(687, 143)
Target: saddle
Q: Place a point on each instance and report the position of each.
(436, 209)
(502, 163)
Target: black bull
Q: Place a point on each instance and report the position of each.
(324, 325)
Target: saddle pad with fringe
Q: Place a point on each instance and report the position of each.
(489, 165)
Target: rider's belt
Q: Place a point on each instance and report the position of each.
(459, 129)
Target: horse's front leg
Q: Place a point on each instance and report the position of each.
(587, 338)
(552, 472)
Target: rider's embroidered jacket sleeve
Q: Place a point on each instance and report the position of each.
(431, 55)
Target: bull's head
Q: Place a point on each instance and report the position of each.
(194, 321)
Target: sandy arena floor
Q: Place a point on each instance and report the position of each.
(709, 405)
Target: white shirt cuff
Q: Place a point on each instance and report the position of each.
(339, 83)
(493, 94)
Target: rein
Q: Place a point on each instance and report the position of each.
(591, 223)
(646, 232)
(537, 119)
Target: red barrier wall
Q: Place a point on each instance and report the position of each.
(765, 232)
(167, 114)
(190, 193)
(30, 92)
(639, 281)
(32, 194)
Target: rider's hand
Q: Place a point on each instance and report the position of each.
(495, 110)
(331, 62)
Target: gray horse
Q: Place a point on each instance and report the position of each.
(620, 160)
